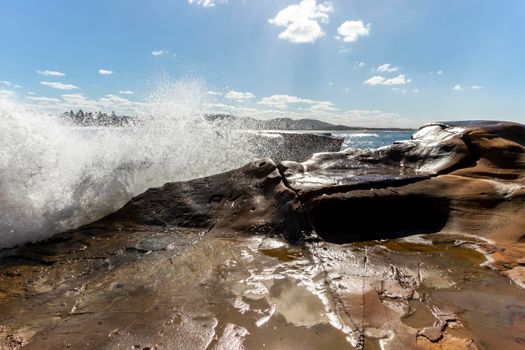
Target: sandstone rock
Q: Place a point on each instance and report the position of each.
(168, 267)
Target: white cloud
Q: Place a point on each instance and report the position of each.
(387, 67)
(404, 91)
(357, 117)
(73, 101)
(50, 73)
(126, 92)
(368, 114)
(323, 106)
(358, 64)
(379, 80)
(302, 21)
(236, 95)
(6, 93)
(105, 72)
(74, 97)
(59, 86)
(439, 72)
(7, 83)
(283, 101)
(112, 100)
(459, 87)
(213, 93)
(42, 99)
(158, 53)
(206, 3)
(287, 106)
(350, 31)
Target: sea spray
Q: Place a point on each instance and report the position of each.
(54, 176)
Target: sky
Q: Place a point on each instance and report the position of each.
(352, 62)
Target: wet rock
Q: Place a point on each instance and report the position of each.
(200, 264)
(434, 333)
(450, 177)
(448, 342)
(454, 177)
(251, 199)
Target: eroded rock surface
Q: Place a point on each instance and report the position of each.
(409, 246)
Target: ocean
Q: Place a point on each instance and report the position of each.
(365, 139)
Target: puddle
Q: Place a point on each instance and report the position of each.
(419, 315)
(236, 292)
(296, 304)
(284, 254)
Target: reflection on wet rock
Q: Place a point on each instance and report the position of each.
(418, 245)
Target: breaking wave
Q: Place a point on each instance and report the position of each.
(55, 176)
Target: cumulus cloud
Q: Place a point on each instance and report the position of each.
(357, 117)
(369, 114)
(112, 100)
(206, 3)
(158, 53)
(126, 92)
(4, 93)
(350, 31)
(324, 106)
(387, 67)
(5, 83)
(58, 86)
(457, 87)
(105, 72)
(74, 98)
(74, 101)
(50, 73)
(42, 99)
(213, 93)
(359, 64)
(476, 87)
(284, 101)
(379, 80)
(236, 95)
(302, 21)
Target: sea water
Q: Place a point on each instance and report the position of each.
(371, 139)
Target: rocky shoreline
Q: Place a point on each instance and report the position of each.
(407, 246)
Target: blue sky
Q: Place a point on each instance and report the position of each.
(354, 62)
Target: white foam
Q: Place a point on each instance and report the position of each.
(54, 176)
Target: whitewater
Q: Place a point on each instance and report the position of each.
(55, 176)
